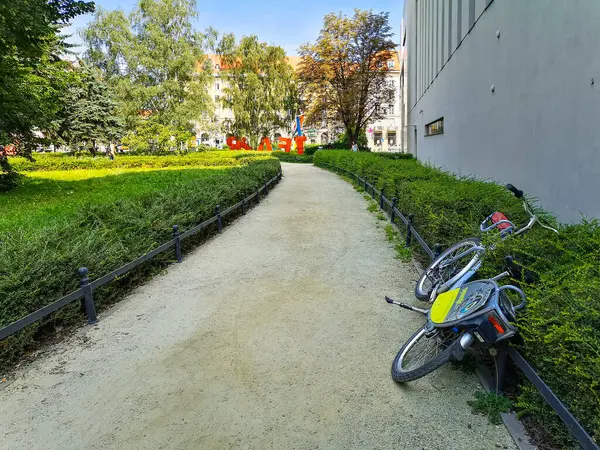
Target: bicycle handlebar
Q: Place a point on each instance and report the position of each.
(517, 192)
(528, 209)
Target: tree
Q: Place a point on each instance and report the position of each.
(33, 78)
(259, 87)
(362, 140)
(89, 117)
(343, 74)
(150, 57)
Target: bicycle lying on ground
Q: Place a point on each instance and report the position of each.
(461, 261)
(475, 314)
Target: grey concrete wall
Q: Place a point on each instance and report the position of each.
(540, 129)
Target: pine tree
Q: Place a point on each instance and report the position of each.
(89, 117)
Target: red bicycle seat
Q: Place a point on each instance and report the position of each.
(498, 217)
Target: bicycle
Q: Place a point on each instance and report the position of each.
(475, 314)
(452, 268)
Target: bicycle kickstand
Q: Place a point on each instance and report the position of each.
(405, 306)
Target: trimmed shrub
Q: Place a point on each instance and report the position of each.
(39, 265)
(560, 327)
(67, 162)
(292, 157)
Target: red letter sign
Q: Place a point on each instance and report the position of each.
(265, 141)
(300, 140)
(285, 144)
(232, 143)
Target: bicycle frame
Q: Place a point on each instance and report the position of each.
(469, 271)
(532, 221)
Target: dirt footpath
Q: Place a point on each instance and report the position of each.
(273, 335)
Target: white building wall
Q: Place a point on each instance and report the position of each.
(538, 128)
(391, 124)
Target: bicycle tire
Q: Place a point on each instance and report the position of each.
(424, 294)
(402, 376)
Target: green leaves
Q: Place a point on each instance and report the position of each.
(33, 79)
(150, 58)
(343, 75)
(89, 116)
(259, 87)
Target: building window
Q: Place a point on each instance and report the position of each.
(436, 127)
(377, 139)
(391, 110)
(391, 138)
(216, 99)
(391, 64)
(217, 86)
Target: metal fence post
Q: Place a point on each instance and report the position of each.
(88, 298)
(365, 180)
(266, 187)
(177, 243)
(381, 199)
(243, 206)
(409, 229)
(219, 219)
(437, 250)
(393, 215)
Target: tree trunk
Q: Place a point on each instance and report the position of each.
(349, 134)
(355, 135)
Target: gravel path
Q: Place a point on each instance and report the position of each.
(273, 335)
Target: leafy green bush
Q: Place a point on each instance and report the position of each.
(396, 155)
(39, 264)
(292, 157)
(561, 325)
(67, 162)
(9, 181)
(311, 149)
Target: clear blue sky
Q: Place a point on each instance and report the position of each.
(272, 20)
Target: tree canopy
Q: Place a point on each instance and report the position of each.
(259, 87)
(343, 75)
(88, 117)
(33, 78)
(150, 58)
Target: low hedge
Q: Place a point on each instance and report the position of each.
(292, 157)
(66, 162)
(40, 265)
(560, 327)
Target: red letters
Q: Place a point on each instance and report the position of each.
(233, 143)
(300, 140)
(244, 144)
(265, 142)
(285, 144)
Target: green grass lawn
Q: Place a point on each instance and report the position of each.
(48, 197)
(102, 217)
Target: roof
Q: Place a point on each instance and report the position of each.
(294, 61)
(217, 62)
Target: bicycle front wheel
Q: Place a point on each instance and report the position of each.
(423, 354)
(446, 267)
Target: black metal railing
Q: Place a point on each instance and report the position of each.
(87, 287)
(575, 428)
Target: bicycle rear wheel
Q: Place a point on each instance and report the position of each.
(441, 270)
(421, 354)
